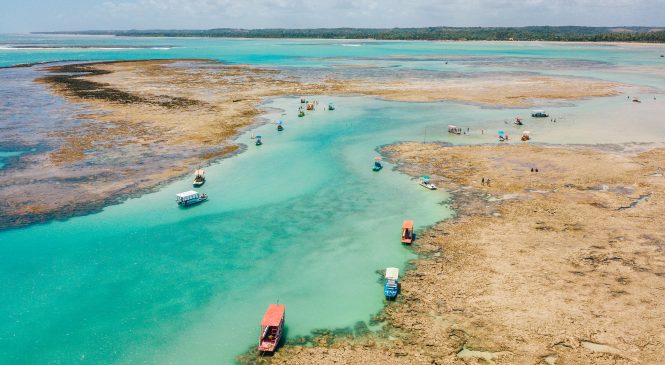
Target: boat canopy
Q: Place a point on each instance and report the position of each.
(525, 133)
(392, 273)
(502, 132)
(540, 111)
(199, 173)
(187, 195)
(377, 158)
(425, 177)
(274, 315)
(407, 224)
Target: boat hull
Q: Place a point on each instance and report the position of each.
(192, 202)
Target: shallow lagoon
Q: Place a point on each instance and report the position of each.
(301, 219)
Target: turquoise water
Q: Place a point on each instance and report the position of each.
(5, 155)
(301, 220)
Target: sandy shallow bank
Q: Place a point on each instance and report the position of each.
(561, 266)
(182, 114)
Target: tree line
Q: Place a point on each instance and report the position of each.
(535, 33)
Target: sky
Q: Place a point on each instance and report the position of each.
(47, 15)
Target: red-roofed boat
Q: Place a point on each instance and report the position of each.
(272, 326)
(407, 232)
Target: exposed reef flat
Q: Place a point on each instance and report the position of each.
(560, 266)
(146, 122)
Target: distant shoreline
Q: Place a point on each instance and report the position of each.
(531, 33)
(656, 44)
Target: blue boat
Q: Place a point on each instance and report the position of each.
(377, 164)
(391, 288)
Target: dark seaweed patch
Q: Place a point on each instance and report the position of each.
(70, 78)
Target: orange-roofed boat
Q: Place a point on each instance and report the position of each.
(272, 326)
(407, 232)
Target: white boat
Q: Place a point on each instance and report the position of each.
(190, 198)
(424, 182)
(454, 129)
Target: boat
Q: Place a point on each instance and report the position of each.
(310, 106)
(525, 136)
(407, 232)
(424, 182)
(539, 114)
(301, 114)
(190, 198)
(518, 121)
(636, 100)
(454, 129)
(199, 178)
(258, 141)
(280, 127)
(377, 164)
(391, 288)
(303, 100)
(272, 327)
(502, 136)
(331, 106)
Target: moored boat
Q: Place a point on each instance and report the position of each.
(636, 100)
(258, 141)
(377, 164)
(424, 182)
(280, 127)
(272, 326)
(518, 121)
(301, 114)
(199, 178)
(190, 198)
(391, 287)
(539, 114)
(331, 106)
(454, 129)
(525, 136)
(407, 231)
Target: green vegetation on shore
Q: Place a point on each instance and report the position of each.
(534, 33)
